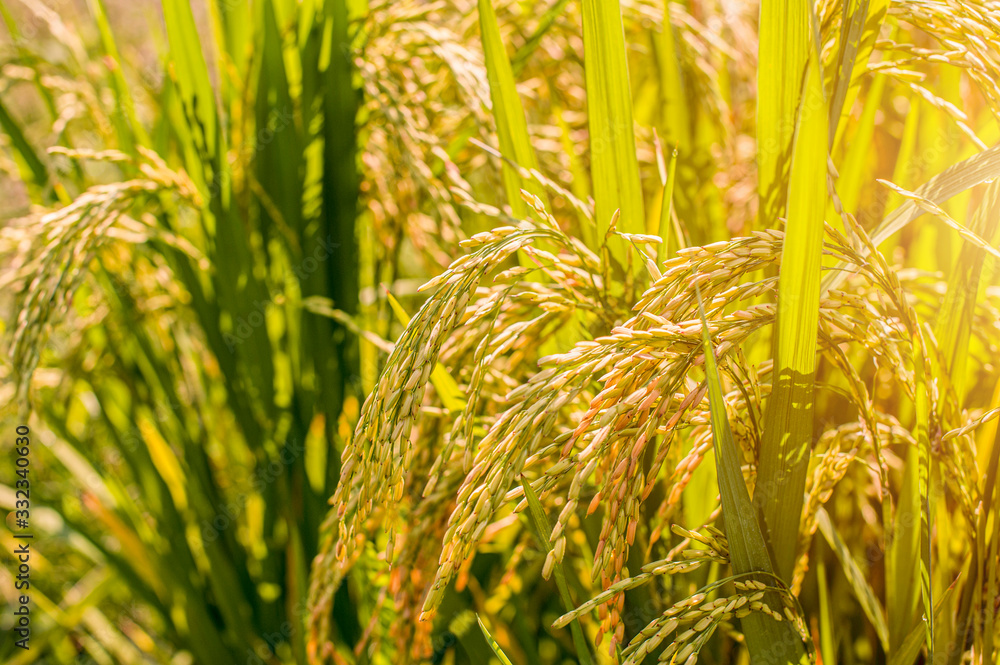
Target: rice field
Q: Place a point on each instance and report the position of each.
(601, 332)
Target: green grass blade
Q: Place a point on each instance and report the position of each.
(991, 504)
(614, 166)
(852, 16)
(542, 529)
(788, 421)
(130, 130)
(531, 44)
(956, 317)
(512, 129)
(855, 577)
(922, 410)
(910, 648)
(908, 550)
(191, 74)
(677, 116)
(672, 240)
(580, 186)
(767, 640)
(493, 643)
(783, 56)
(861, 22)
(30, 164)
(903, 561)
(856, 167)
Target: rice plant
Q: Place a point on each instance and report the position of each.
(191, 231)
(702, 368)
(850, 390)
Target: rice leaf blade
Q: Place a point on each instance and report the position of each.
(859, 31)
(672, 239)
(542, 529)
(614, 166)
(788, 420)
(923, 416)
(504, 660)
(191, 74)
(767, 640)
(855, 577)
(910, 648)
(30, 163)
(130, 130)
(783, 56)
(508, 113)
(677, 117)
(956, 317)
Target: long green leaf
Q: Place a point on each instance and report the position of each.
(955, 319)
(788, 422)
(30, 163)
(671, 236)
(855, 577)
(508, 113)
(783, 55)
(542, 528)
(493, 643)
(130, 130)
(614, 166)
(767, 640)
(677, 117)
(861, 22)
(907, 653)
(190, 74)
(922, 412)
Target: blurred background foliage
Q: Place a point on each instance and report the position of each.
(207, 201)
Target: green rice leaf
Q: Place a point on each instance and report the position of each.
(903, 562)
(493, 643)
(956, 317)
(991, 502)
(130, 130)
(783, 56)
(512, 129)
(855, 577)
(677, 117)
(191, 75)
(923, 416)
(856, 168)
(672, 239)
(910, 648)
(788, 420)
(767, 640)
(29, 163)
(614, 166)
(861, 22)
(542, 529)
